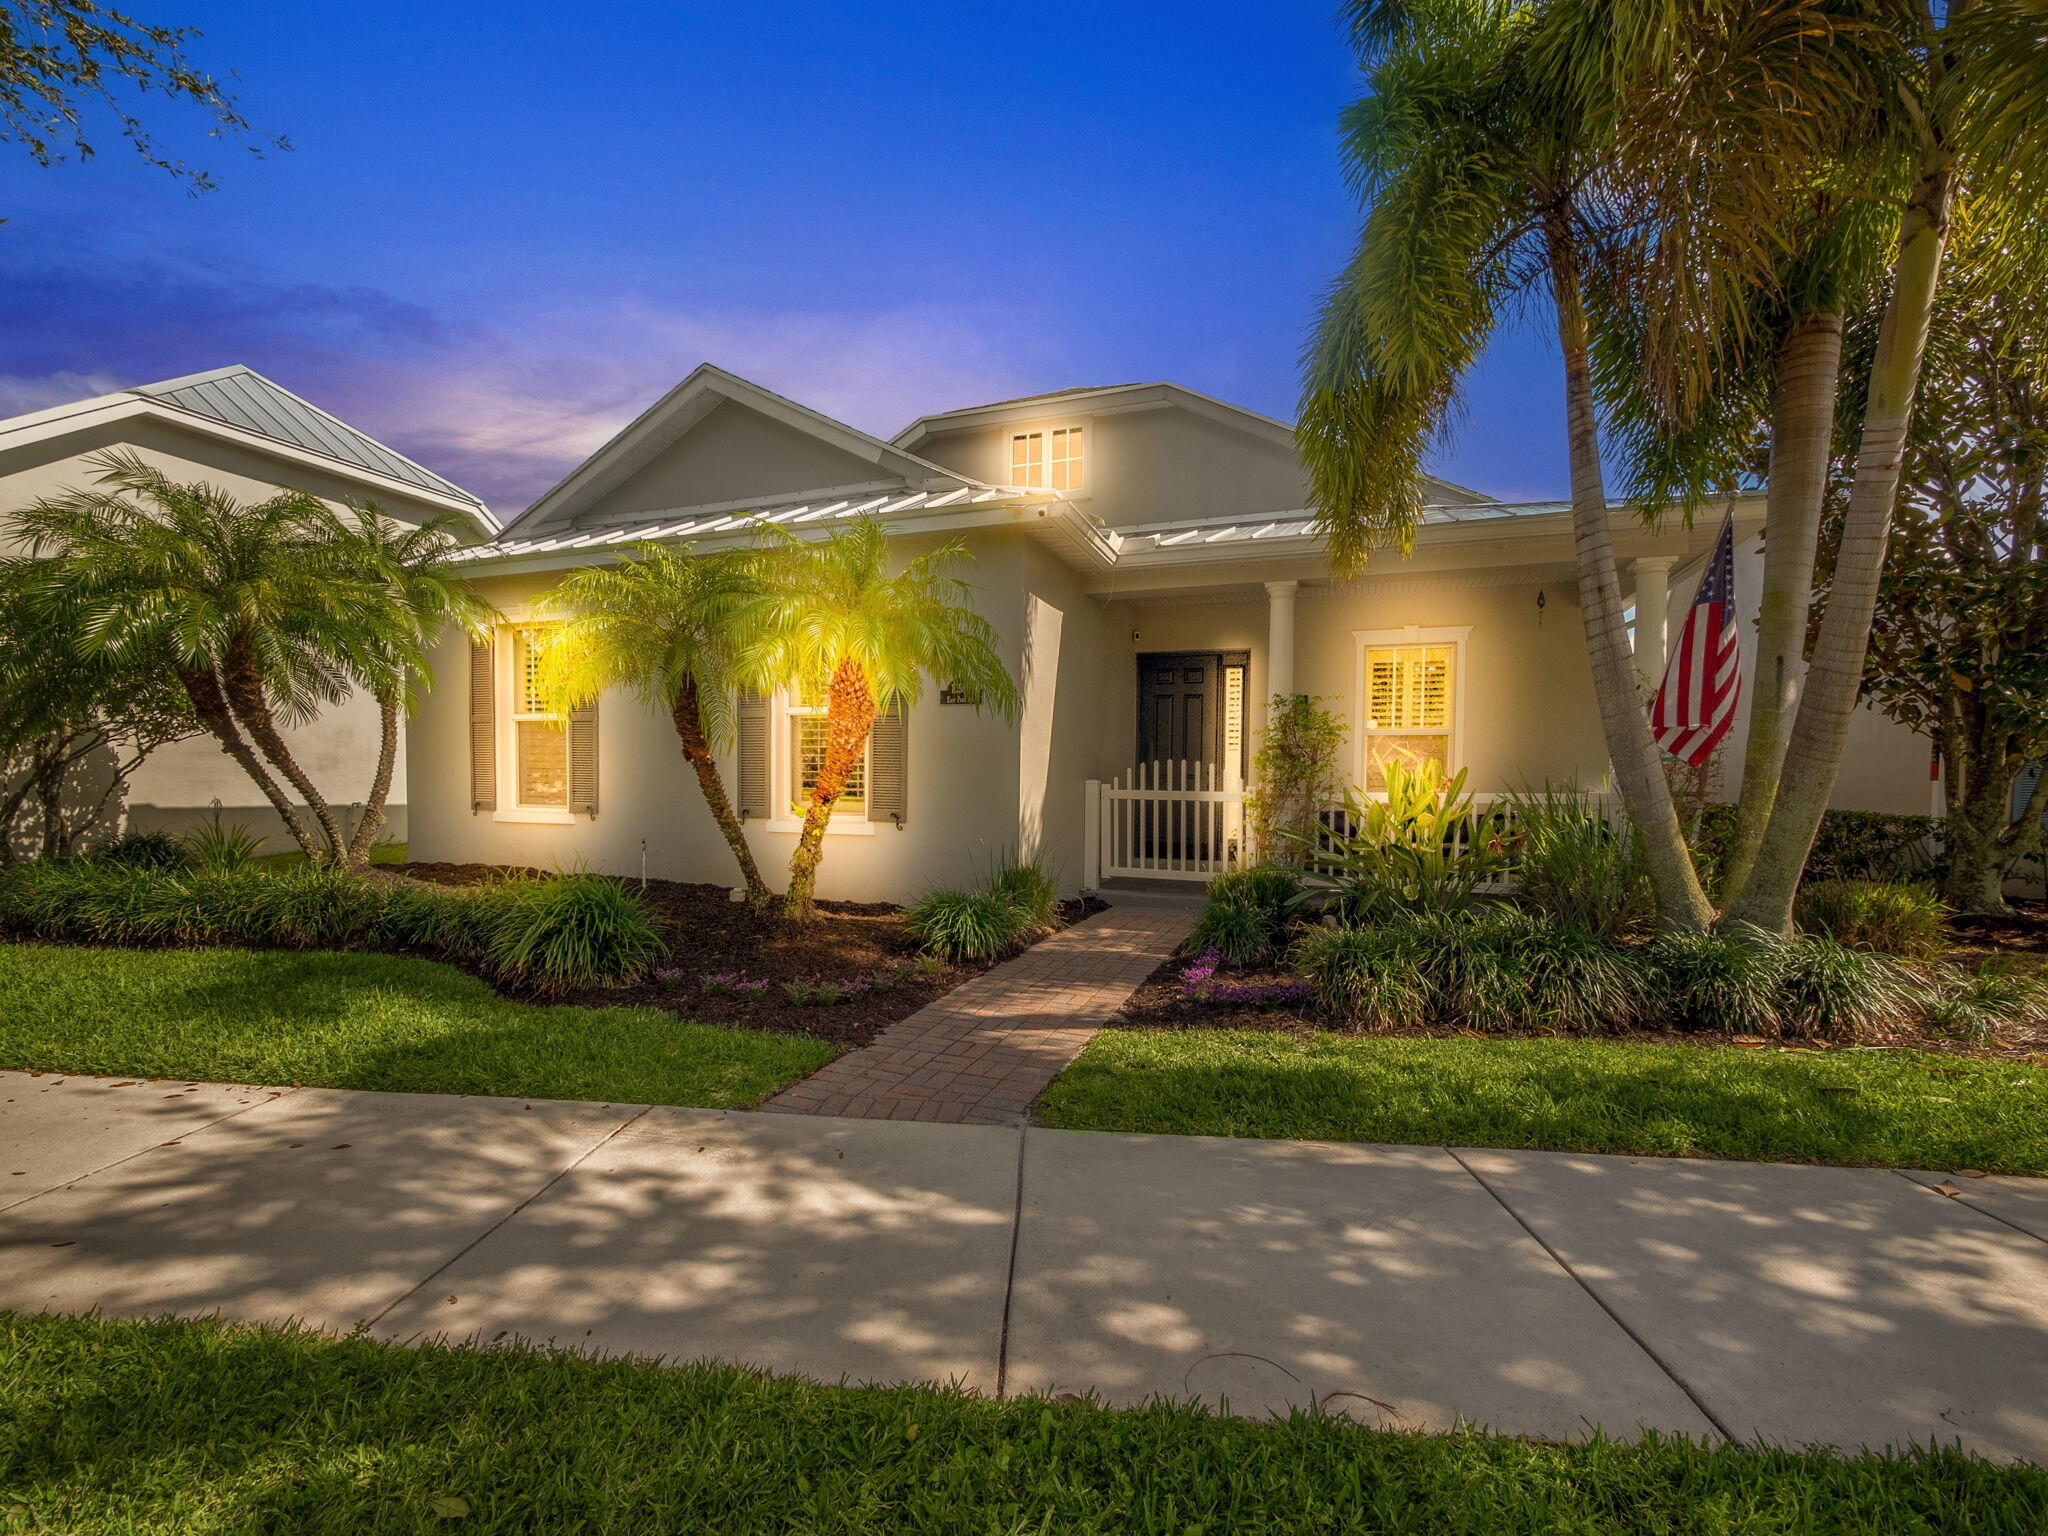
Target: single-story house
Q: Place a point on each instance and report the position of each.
(234, 428)
(1143, 551)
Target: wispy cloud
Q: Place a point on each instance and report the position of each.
(503, 405)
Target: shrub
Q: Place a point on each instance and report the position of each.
(1366, 975)
(1832, 992)
(1975, 1005)
(968, 925)
(145, 850)
(1870, 845)
(1710, 981)
(1574, 867)
(216, 844)
(574, 930)
(1271, 888)
(1419, 851)
(1238, 931)
(1902, 920)
(1576, 980)
(1027, 886)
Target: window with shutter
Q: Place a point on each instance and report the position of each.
(483, 727)
(755, 753)
(1410, 708)
(582, 753)
(540, 738)
(889, 765)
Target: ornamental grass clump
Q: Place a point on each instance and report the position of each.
(1830, 992)
(573, 930)
(1885, 916)
(1712, 982)
(1249, 913)
(967, 925)
(1366, 976)
(1975, 1005)
(146, 850)
(1025, 884)
(1572, 866)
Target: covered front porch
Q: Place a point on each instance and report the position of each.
(1470, 653)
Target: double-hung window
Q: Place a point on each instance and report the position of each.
(540, 741)
(807, 760)
(1046, 460)
(1409, 694)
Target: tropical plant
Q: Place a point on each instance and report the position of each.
(1238, 931)
(1365, 976)
(412, 593)
(1571, 864)
(1959, 651)
(146, 850)
(258, 610)
(1026, 885)
(1891, 919)
(968, 925)
(219, 844)
(63, 59)
(73, 729)
(1296, 779)
(670, 626)
(1480, 156)
(1977, 1004)
(575, 930)
(1421, 849)
(838, 625)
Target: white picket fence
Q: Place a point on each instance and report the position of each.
(1163, 821)
(1185, 821)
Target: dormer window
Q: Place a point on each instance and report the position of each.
(1046, 460)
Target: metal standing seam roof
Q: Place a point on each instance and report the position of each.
(240, 397)
(1301, 525)
(694, 522)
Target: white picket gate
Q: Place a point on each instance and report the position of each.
(1164, 821)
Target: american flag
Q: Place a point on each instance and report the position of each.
(1703, 680)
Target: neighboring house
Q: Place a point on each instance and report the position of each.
(236, 429)
(1143, 552)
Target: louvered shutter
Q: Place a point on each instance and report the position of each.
(583, 760)
(889, 765)
(754, 754)
(483, 728)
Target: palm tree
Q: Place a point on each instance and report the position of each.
(835, 622)
(667, 625)
(1952, 95)
(414, 594)
(1482, 163)
(245, 597)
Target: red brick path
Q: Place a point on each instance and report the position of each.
(981, 1054)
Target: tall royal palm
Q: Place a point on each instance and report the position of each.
(245, 597)
(411, 592)
(835, 622)
(1482, 168)
(669, 626)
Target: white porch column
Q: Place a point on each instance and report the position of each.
(1653, 604)
(1280, 636)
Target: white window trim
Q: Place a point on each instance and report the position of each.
(1044, 434)
(1366, 640)
(782, 773)
(505, 729)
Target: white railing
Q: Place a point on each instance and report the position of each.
(1163, 821)
(1185, 821)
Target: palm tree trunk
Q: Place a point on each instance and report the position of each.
(849, 718)
(1809, 368)
(242, 681)
(1835, 677)
(689, 721)
(380, 783)
(210, 704)
(1624, 712)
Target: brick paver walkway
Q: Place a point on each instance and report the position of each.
(981, 1054)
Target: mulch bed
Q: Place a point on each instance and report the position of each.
(709, 934)
(1160, 1003)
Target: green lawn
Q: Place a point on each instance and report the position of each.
(393, 854)
(364, 1021)
(1883, 1107)
(178, 1427)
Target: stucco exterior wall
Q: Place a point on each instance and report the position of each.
(183, 783)
(963, 776)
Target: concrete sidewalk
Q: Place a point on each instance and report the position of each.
(1412, 1287)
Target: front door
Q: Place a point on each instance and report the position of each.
(1179, 706)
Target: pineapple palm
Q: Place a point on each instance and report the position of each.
(669, 626)
(836, 622)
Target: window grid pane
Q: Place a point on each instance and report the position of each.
(1066, 459)
(543, 751)
(807, 758)
(1027, 459)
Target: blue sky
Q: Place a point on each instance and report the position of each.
(503, 229)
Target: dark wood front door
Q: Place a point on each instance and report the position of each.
(1179, 707)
